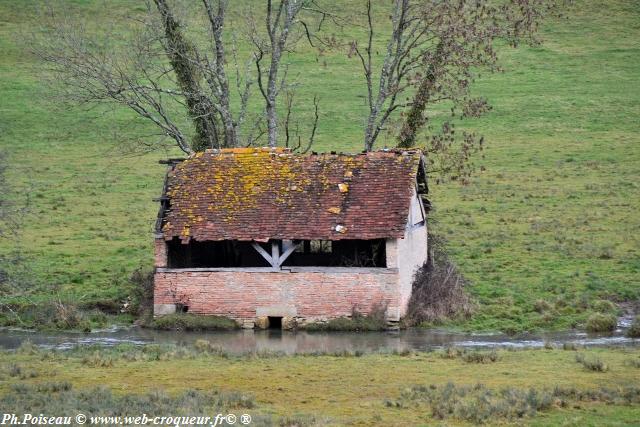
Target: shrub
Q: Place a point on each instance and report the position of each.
(475, 404)
(570, 346)
(634, 363)
(204, 346)
(634, 329)
(619, 395)
(27, 347)
(53, 387)
(191, 322)
(480, 356)
(451, 352)
(438, 289)
(54, 315)
(594, 364)
(599, 322)
(15, 370)
(98, 359)
(604, 306)
(475, 356)
(375, 320)
(61, 398)
(541, 306)
(142, 302)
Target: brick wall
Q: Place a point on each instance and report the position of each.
(307, 296)
(160, 252)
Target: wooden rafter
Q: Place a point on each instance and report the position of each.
(275, 259)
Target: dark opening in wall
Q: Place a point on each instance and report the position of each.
(275, 322)
(181, 308)
(339, 253)
(308, 253)
(226, 253)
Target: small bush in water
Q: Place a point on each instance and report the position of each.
(599, 322)
(192, 322)
(634, 330)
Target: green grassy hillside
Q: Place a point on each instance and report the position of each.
(554, 217)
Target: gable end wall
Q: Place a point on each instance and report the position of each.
(411, 254)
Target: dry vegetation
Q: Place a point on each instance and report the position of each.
(530, 387)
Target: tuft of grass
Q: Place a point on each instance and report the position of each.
(592, 364)
(193, 322)
(61, 398)
(604, 306)
(634, 363)
(476, 404)
(599, 322)
(480, 356)
(98, 359)
(569, 346)
(634, 329)
(541, 306)
(470, 356)
(479, 404)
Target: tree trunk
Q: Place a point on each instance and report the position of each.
(415, 117)
(179, 50)
(217, 23)
(272, 90)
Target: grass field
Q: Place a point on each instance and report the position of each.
(330, 389)
(554, 217)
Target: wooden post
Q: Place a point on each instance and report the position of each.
(275, 254)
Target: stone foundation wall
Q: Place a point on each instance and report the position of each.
(300, 295)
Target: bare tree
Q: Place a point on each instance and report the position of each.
(159, 72)
(279, 22)
(433, 54)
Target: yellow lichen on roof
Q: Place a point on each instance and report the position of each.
(243, 192)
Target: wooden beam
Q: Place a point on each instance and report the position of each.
(289, 247)
(264, 253)
(276, 259)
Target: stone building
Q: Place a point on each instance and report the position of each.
(271, 238)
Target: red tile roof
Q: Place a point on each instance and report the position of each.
(260, 193)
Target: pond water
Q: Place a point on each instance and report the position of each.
(244, 341)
